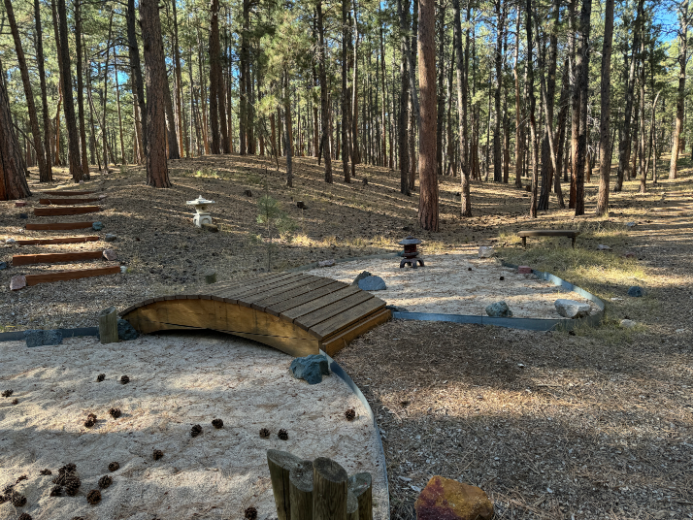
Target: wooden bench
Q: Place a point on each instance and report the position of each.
(570, 233)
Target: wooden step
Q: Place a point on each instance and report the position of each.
(58, 226)
(67, 193)
(70, 202)
(20, 281)
(66, 240)
(51, 258)
(48, 212)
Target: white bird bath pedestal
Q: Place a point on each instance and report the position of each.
(201, 207)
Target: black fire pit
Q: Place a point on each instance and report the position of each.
(411, 255)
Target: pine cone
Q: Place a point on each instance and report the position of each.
(113, 466)
(283, 435)
(57, 491)
(89, 422)
(124, 380)
(195, 430)
(15, 401)
(218, 423)
(25, 516)
(72, 485)
(105, 481)
(68, 468)
(46, 472)
(157, 454)
(100, 378)
(251, 513)
(115, 412)
(94, 497)
(7, 393)
(264, 433)
(78, 518)
(8, 490)
(18, 500)
(91, 416)
(23, 477)
(350, 414)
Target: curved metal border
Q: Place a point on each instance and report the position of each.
(67, 333)
(339, 371)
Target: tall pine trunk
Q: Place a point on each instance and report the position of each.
(403, 145)
(13, 183)
(681, 93)
(80, 89)
(582, 63)
(324, 104)
(532, 110)
(44, 94)
(605, 122)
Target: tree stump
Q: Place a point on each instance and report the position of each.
(301, 491)
(280, 465)
(108, 325)
(329, 490)
(361, 485)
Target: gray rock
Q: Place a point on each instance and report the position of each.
(499, 310)
(485, 251)
(361, 276)
(110, 237)
(630, 224)
(310, 368)
(3, 265)
(326, 263)
(39, 338)
(126, 332)
(372, 283)
(628, 324)
(97, 226)
(572, 309)
(636, 291)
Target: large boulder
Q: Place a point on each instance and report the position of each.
(447, 499)
(499, 310)
(572, 309)
(372, 283)
(39, 338)
(310, 368)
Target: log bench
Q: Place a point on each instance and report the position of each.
(570, 233)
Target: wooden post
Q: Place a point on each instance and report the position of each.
(352, 507)
(361, 485)
(301, 491)
(108, 325)
(280, 465)
(210, 276)
(329, 490)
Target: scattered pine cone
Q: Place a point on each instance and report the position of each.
(251, 513)
(105, 481)
(100, 378)
(195, 430)
(72, 485)
(264, 433)
(18, 500)
(218, 423)
(8, 490)
(15, 401)
(125, 380)
(25, 516)
(89, 422)
(157, 454)
(91, 416)
(350, 414)
(57, 491)
(115, 412)
(78, 518)
(46, 472)
(69, 468)
(283, 435)
(7, 393)
(23, 477)
(94, 497)
(113, 466)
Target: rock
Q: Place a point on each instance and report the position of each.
(630, 224)
(602, 247)
(326, 263)
(126, 332)
(248, 193)
(38, 338)
(310, 368)
(636, 291)
(571, 309)
(210, 276)
(628, 324)
(499, 310)
(23, 215)
(17, 282)
(110, 255)
(372, 283)
(524, 269)
(10, 241)
(360, 276)
(97, 226)
(301, 205)
(3, 265)
(485, 251)
(110, 237)
(447, 499)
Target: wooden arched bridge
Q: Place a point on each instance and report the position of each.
(296, 313)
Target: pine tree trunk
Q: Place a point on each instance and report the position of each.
(80, 90)
(155, 74)
(324, 105)
(214, 72)
(497, 156)
(104, 134)
(136, 69)
(345, 93)
(428, 178)
(120, 118)
(288, 135)
(403, 12)
(13, 183)
(440, 123)
(519, 138)
(45, 174)
(68, 103)
(532, 110)
(582, 63)
(605, 122)
(461, 74)
(44, 95)
(681, 93)
(548, 152)
(178, 83)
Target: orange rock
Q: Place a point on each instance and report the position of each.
(446, 499)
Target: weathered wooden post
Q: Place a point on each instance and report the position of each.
(301, 491)
(329, 490)
(108, 325)
(361, 485)
(280, 465)
(352, 506)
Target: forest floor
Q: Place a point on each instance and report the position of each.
(592, 425)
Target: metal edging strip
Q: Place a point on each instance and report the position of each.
(67, 333)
